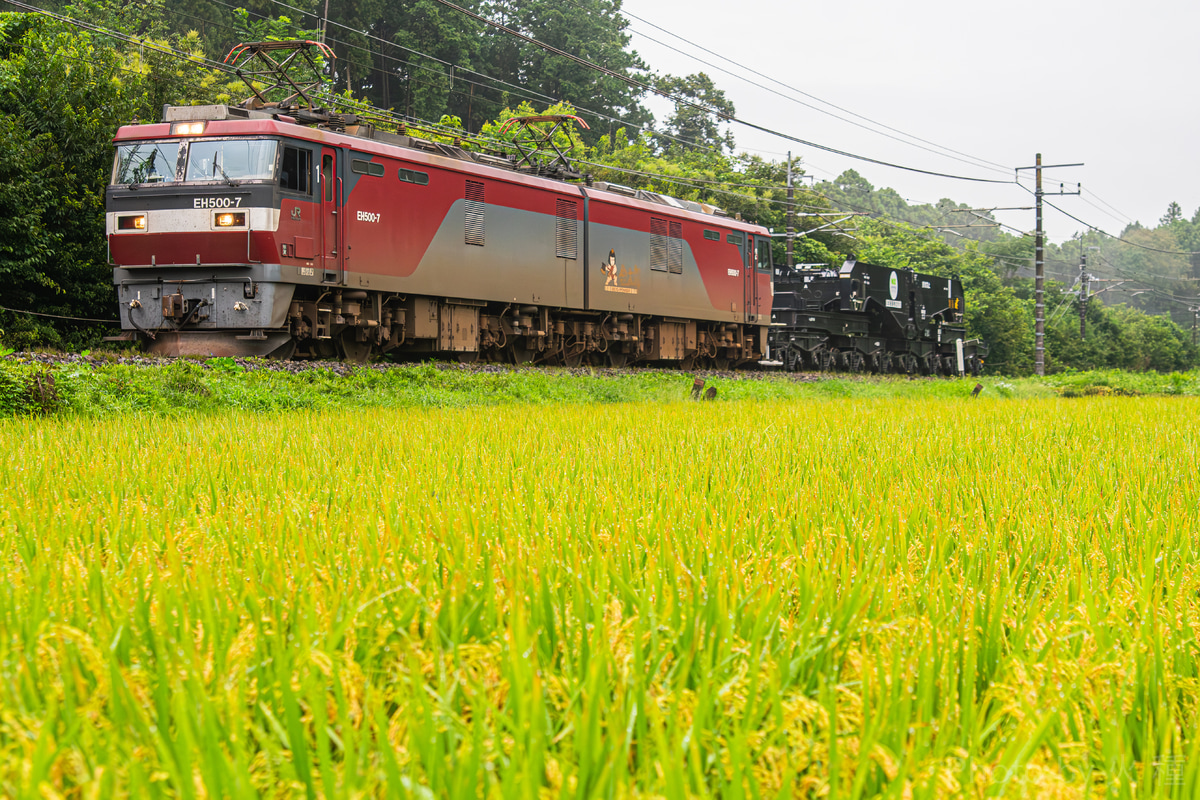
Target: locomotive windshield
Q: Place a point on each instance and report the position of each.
(200, 161)
(147, 162)
(231, 160)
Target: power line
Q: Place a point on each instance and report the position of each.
(981, 161)
(523, 92)
(1119, 239)
(700, 107)
(218, 66)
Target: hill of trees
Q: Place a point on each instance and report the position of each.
(64, 91)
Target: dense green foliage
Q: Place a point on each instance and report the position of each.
(63, 92)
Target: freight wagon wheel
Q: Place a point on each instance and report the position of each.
(616, 358)
(721, 363)
(908, 363)
(816, 358)
(830, 359)
(468, 357)
(973, 366)
(854, 361)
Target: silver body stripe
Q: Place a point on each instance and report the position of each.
(194, 220)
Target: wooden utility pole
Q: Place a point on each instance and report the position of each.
(1039, 266)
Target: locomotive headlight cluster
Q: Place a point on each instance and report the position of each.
(187, 128)
(132, 223)
(229, 219)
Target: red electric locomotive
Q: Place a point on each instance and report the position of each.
(242, 231)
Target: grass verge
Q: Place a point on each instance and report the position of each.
(91, 387)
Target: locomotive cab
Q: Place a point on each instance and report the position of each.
(192, 215)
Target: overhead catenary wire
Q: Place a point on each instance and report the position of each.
(701, 107)
(100, 30)
(933, 147)
(522, 92)
(1120, 239)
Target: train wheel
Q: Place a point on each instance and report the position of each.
(520, 355)
(616, 359)
(832, 360)
(351, 349)
(285, 351)
(854, 361)
(468, 357)
(571, 357)
(721, 363)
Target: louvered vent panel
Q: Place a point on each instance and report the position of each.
(566, 230)
(658, 244)
(474, 213)
(675, 249)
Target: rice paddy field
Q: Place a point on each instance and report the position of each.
(747, 599)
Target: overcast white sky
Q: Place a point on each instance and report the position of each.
(1111, 84)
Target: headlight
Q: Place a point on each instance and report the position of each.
(187, 128)
(137, 223)
(231, 220)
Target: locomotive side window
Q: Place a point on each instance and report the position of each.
(327, 177)
(763, 254)
(412, 176)
(146, 162)
(360, 167)
(712, 236)
(297, 167)
(734, 238)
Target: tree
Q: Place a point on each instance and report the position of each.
(1174, 214)
(697, 121)
(63, 93)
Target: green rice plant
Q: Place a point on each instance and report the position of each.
(835, 598)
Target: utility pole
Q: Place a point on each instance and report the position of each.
(1195, 318)
(1039, 267)
(1083, 296)
(791, 230)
